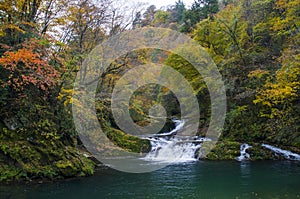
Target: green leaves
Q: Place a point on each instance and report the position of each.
(201, 9)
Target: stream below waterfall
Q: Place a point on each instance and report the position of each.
(198, 179)
(186, 177)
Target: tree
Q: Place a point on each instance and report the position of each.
(161, 17)
(279, 95)
(30, 80)
(18, 19)
(201, 9)
(137, 22)
(50, 14)
(27, 68)
(177, 12)
(149, 15)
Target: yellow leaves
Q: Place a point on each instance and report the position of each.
(286, 4)
(277, 23)
(287, 20)
(60, 21)
(69, 100)
(277, 97)
(2, 33)
(165, 90)
(11, 27)
(16, 15)
(6, 5)
(113, 77)
(261, 27)
(67, 91)
(66, 96)
(258, 73)
(224, 34)
(276, 94)
(242, 108)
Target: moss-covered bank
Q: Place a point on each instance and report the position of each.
(25, 157)
(44, 157)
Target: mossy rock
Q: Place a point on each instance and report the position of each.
(229, 150)
(224, 150)
(257, 152)
(23, 159)
(66, 168)
(128, 142)
(9, 173)
(74, 164)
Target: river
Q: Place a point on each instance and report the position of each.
(186, 177)
(199, 179)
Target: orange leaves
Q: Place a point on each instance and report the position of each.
(28, 68)
(11, 59)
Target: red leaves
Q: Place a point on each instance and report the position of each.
(27, 67)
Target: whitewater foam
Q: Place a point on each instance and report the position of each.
(284, 153)
(243, 150)
(170, 148)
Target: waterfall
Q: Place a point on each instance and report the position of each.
(171, 148)
(284, 153)
(244, 155)
(178, 126)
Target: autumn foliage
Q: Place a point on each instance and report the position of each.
(26, 68)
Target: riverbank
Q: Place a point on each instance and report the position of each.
(26, 158)
(230, 150)
(40, 157)
(68, 162)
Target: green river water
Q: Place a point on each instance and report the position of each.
(200, 179)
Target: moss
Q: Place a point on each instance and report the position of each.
(8, 173)
(66, 168)
(257, 152)
(224, 150)
(229, 150)
(128, 142)
(27, 159)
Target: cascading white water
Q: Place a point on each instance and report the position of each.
(244, 155)
(170, 148)
(178, 125)
(173, 150)
(284, 153)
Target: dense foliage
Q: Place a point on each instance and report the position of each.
(254, 43)
(255, 46)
